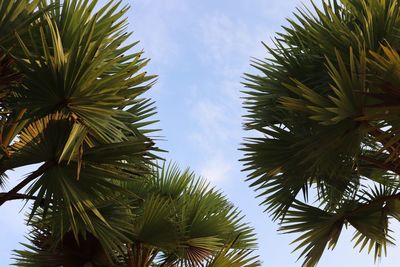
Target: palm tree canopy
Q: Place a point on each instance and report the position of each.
(71, 101)
(326, 105)
(173, 219)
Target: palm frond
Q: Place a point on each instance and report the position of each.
(326, 106)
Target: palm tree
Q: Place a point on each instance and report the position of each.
(75, 105)
(172, 218)
(72, 106)
(326, 107)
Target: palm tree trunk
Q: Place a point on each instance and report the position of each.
(138, 254)
(130, 256)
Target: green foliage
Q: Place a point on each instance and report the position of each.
(75, 109)
(71, 104)
(326, 106)
(16, 16)
(170, 218)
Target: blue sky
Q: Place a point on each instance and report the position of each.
(200, 50)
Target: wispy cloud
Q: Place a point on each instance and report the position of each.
(216, 169)
(212, 118)
(155, 22)
(227, 43)
(228, 40)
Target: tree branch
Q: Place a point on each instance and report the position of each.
(18, 196)
(376, 201)
(380, 164)
(381, 137)
(14, 192)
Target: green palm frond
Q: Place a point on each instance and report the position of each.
(170, 181)
(170, 217)
(78, 99)
(197, 220)
(17, 16)
(60, 185)
(318, 229)
(369, 214)
(154, 224)
(89, 79)
(229, 257)
(71, 102)
(54, 242)
(325, 103)
(77, 110)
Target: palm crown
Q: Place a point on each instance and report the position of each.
(71, 103)
(172, 218)
(76, 109)
(326, 106)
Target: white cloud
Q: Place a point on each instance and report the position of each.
(216, 169)
(274, 11)
(229, 40)
(211, 118)
(227, 45)
(216, 135)
(153, 23)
